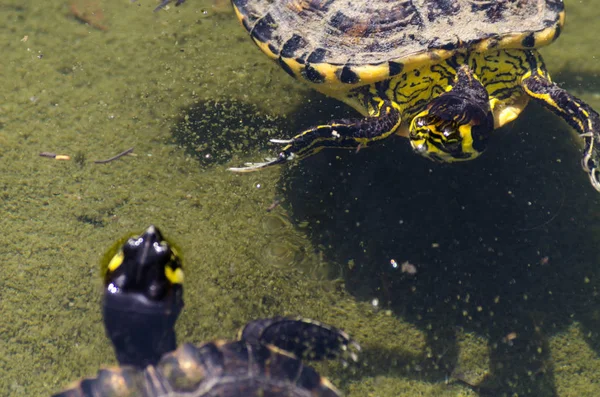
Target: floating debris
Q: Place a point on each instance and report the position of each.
(409, 268)
(80, 157)
(273, 205)
(55, 156)
(118, 156)
(509, 338)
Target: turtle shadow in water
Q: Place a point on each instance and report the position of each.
(503, 245)
(215, 131)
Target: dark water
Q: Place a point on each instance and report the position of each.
(505, 294)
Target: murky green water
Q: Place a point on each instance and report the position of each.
(506, 247)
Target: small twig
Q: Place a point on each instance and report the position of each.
(118, 156)
(164, 3)
(273, 205)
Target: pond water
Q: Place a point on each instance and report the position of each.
(504, 300)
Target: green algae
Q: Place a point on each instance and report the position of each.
(69, 88)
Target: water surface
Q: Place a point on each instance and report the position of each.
(505, 247)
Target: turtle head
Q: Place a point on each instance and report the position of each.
(143, 297)
(456, 125)
(147, 265)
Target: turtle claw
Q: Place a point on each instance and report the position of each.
(251, 167)
(352, 350)
(591, 159)
(594, 174)
(282, 141)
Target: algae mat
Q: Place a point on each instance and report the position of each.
(324, 252)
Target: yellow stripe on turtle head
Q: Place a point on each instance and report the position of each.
(467, 141)
(116, 261)
(175, 276)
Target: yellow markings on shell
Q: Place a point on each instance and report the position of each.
(561, 19)
(417, 61)
(328, 71)
(368, 74)
(542, 38)
(175, 276)
(294, 65)
(115, 262)
(545, 37)
(116, 382)
(508, 41)
(439, 55)
(182, 368)
(264, 47)
(372, 73)
(238, 14)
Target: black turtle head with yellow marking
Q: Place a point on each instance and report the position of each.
(143, 297)
(145, 264)
(456, 125)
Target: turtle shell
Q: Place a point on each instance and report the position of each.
(215, 369)
(345, 43)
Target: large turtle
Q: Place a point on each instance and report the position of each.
(443, 73)
(143, 297)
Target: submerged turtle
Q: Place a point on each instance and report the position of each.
(443, 73)
(142, 300)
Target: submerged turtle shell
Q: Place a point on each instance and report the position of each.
(353, 42)
(215, 369)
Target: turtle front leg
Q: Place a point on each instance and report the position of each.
(537, 84)
(342, 134)
(306, 339)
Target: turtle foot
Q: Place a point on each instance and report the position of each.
(251, 167)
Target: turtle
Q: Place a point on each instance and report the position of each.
(442, 73)
(143, 297)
